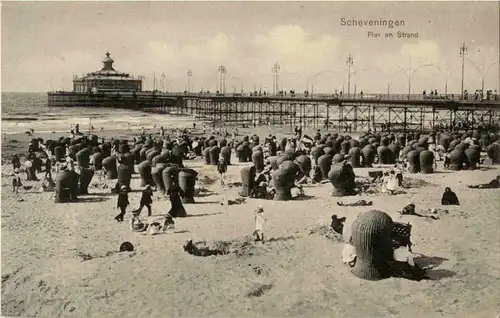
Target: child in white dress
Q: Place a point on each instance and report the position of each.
(260, 224)
(16, 181)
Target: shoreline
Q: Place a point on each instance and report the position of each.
(17, 141)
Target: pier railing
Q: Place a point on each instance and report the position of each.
(387, 97)
(317, 96)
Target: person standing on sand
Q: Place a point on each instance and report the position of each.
(146, 200)
(175, 192)
(122, 203)
(48, 168)
(260, 224)
(222, 169)
(16, 181)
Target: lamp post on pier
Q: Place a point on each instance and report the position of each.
(223, 71)
(349, 61)
(189, 75)
(463, 52)
(154, 81)
(275, 70)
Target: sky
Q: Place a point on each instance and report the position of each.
(45, 43)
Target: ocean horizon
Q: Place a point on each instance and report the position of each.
(22, 111)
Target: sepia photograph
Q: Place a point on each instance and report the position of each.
(250, 159)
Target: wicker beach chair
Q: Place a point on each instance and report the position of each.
(401, 235)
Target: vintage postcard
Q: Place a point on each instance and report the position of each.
(250, 159)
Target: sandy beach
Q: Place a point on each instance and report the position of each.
(56, 258)
(120, 70)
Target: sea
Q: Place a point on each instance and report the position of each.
(24, 111)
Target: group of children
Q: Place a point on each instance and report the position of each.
(33, 164)
(175, 193)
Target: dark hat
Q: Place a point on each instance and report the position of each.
(126, 247)
(342, 219)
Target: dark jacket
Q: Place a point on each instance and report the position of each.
(122, 200)
(272, 148)
(146, 197)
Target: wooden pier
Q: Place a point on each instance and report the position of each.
(353, 113)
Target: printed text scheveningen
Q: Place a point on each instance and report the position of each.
(371, 23)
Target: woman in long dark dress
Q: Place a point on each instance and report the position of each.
(175, 192)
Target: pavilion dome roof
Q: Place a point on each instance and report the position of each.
(107, 59)
(107, 72)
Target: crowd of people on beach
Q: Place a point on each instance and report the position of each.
(42, 159)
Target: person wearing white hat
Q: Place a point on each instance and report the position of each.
(260, 224)
(222, 169)
(122, 203)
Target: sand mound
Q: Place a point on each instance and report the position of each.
(414, 183)
(203, 192)
(259, 290)
(243, 246)
(206, 180)
(326, 231)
